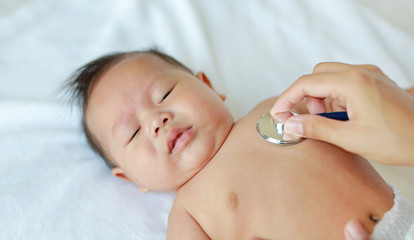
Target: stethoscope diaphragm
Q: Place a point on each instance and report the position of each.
(273, 131)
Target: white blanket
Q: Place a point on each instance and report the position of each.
(52, 186)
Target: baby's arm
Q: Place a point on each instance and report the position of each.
(181, 225)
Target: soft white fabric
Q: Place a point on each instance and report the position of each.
(398, 223)
(53, 187)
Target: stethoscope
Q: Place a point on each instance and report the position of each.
(273, 131)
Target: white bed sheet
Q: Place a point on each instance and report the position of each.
(53, 187)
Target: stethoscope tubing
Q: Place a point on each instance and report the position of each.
(341, 116)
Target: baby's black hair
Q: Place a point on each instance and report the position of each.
(81, 83)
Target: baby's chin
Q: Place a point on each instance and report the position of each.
(194, 157)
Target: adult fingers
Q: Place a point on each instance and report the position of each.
(315, 105)
(345, 87)
(329, 79)
(319, 85)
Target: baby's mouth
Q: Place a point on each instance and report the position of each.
(178, 138)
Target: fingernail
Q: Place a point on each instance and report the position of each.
(294, 127)
(355, 230)
(289, 137)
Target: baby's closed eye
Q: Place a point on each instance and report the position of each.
(135, 133)
(166, 95)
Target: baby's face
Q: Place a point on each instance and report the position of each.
(158, 123)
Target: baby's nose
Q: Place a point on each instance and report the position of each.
(159, 123)
(164, 121)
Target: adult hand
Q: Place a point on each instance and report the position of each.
(381, 114)
(355, 231)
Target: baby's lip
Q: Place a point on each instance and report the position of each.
(177, 138)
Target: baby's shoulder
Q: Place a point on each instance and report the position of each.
(249, 120)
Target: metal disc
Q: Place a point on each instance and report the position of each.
(273, 132)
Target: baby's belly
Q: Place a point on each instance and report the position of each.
(306, 191)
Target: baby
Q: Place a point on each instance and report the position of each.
(164, 129)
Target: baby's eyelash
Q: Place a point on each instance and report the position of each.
(135, 133)
(166, 95)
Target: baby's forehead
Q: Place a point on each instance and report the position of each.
(139, 69)
(141, 61)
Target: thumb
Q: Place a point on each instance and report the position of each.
(317, 127)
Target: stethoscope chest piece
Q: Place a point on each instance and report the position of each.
(273, 131)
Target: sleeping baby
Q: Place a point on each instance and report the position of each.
(163, 128)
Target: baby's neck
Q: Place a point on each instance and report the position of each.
(212, 159)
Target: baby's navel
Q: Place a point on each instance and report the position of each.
(232, 201)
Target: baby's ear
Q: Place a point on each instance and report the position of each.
(119, 173)
(203, 77)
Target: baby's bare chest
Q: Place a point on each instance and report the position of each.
(252, 189)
